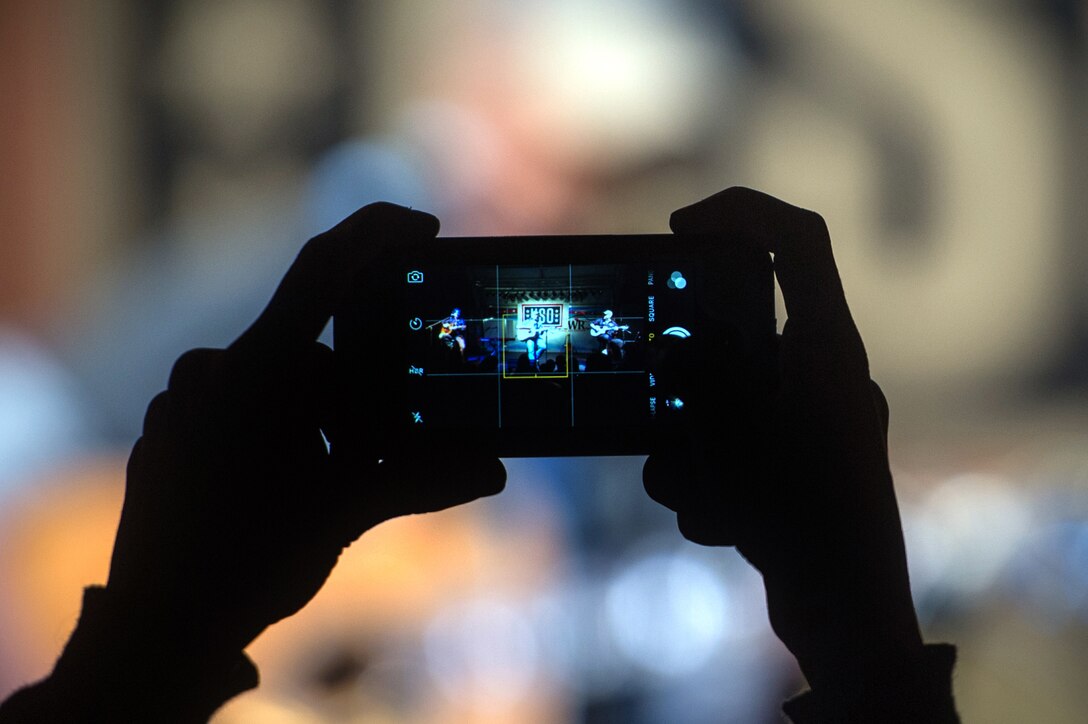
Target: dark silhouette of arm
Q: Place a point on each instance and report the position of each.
(813, 507)
(235, 510)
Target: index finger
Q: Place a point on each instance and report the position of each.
(321, 276)
(798, 238)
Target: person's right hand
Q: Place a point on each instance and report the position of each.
(815, 513)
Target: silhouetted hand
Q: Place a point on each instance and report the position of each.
(235, 510)
(813, 509)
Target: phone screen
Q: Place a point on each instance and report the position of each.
(576, 346)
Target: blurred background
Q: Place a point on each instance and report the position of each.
(162, 162)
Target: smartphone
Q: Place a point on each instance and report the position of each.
(554, 345)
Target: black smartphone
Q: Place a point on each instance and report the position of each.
(554, 345)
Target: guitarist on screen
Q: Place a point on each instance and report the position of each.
(607, 332)
(534, 335)
(451, 331)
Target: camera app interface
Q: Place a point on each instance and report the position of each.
(580, 346)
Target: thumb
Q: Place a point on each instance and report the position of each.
(400, 487)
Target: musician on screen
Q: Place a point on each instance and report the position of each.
(608, 333)
(532, 332)
(451, 332)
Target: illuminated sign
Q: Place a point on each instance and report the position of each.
(548, 314)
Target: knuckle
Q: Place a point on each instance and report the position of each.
(813, 223)
(194, 368)
(706, 530)
(317, 248)
(377, 214)
(383, 208)
(881, 400)
(158, 411)
(656, 482)
(878, 393)
(693, 528)
(322, 248)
